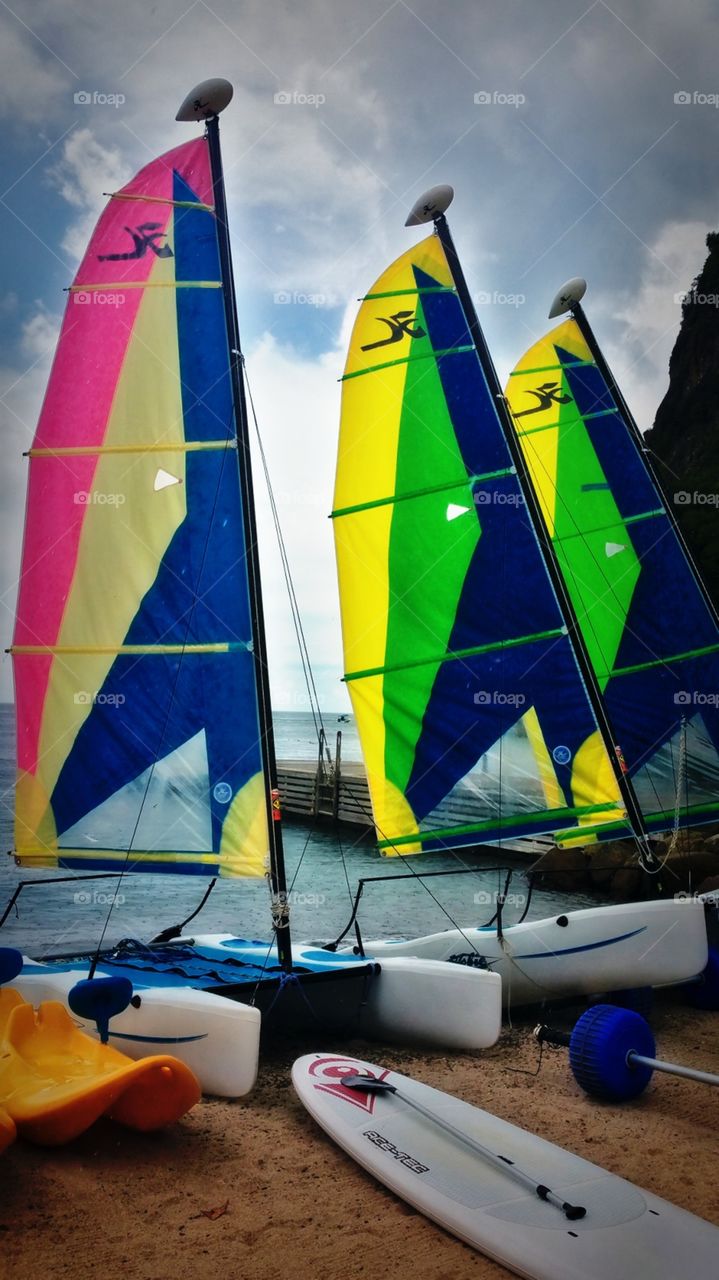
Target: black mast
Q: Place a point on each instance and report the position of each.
(626, 790)
(597, 355)
(278, 879)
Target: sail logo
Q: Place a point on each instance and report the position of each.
(328, 1075)
(400, 326)
(146, 236)
(548, 394)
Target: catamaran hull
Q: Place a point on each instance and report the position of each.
(411, 1000)
(581, 953)
(218, 1039)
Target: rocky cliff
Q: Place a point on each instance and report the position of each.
(685, 436)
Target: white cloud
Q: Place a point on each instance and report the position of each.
(85, 169)
(297, 402)
(651, 314)
(39, 333)
(32, 86)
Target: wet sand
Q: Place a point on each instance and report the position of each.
(283, 1201)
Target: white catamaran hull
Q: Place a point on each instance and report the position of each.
(413, 999)
(612, 948)
(218, 1039)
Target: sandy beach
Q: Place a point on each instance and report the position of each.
(253, 1189)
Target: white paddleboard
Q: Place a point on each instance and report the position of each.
(625, 1233)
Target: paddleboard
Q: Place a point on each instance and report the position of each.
(485, 1181)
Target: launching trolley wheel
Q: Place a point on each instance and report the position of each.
(598, 1051)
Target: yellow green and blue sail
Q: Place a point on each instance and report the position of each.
(473, 716)
(137, 709)
(649, 632)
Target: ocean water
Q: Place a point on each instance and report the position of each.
(324, 865)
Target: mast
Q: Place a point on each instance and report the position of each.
(431, 208)
(587, 333)
(206, 102)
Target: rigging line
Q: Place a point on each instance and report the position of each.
(308, 673)
(170, 704)
(367, 814)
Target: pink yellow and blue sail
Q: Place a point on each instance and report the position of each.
(474, 720)
(138, 728)
(649, 632)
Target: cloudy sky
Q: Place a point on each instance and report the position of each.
(581, 138)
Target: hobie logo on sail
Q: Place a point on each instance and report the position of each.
(144, 237)
(400, 326)
(547, 394)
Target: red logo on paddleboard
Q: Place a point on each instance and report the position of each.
(328, 1073)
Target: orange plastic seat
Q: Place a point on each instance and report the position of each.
(55, 1081)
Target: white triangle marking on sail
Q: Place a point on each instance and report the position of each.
(614, 548)
(163, 480)
(166, 807)
(453, 510)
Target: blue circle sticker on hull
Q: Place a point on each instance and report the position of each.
(222, 791)
(561, 755)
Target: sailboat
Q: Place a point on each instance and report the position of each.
(499, 692)
(144, 719)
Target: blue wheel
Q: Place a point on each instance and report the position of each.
(704, 994)
(598, 1050)
(638, 999)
